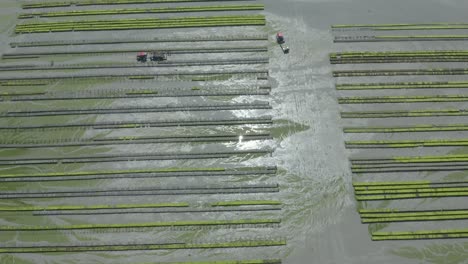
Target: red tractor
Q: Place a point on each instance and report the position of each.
(155, 56)
(280, 38)
(142, 56)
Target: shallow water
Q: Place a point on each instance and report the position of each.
(319, 218)
(328, 229)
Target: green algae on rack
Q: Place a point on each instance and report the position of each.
(110, 2)
(87, 77)
(402, 99)
(424, 234)
(23, 83)
(369, 191)
(132, 247)
(410, 196)
(133, 140)
(413, 189)
(394, 38)
(88, 207)
(130, 93)
(136, 109)
(192, 50)
(166, 39)
(135, 173)
(133, 157)
(403, 26)
(149, 23)
(410, 159)
(144, 124)
(253, 261)
(409, 163)
(405, 113)
(250, 202)
(110, 172)
(146, 246)
(392, 215)
(398, 185)
(142, 191)
(402, 85)
(402, 129)
(399, 56)
(178, 9)
(144, 225)
(400, 72)
(406, 143)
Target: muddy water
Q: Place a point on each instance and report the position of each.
(326, 226)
